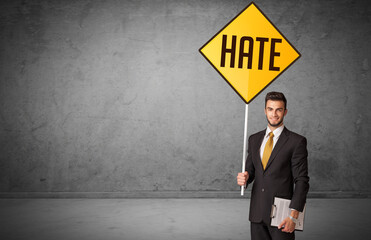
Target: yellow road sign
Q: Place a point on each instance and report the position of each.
(249, 52)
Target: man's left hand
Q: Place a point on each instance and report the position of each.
(287, 225)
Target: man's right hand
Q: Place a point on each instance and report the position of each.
(242, 178)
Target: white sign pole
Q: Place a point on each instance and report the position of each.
(244, 145)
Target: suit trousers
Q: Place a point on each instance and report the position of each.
(261, 231)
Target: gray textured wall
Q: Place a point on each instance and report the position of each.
(114, 95)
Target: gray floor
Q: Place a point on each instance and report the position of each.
(168, 219)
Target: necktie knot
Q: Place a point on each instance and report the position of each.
(271, 135)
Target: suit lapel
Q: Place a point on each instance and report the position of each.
(259, 142)
(280, 143)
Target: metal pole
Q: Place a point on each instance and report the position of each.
(244, 145)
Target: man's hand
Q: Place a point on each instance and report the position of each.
(287, 224)
(242, 178)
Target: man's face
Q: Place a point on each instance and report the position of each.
(275, 112)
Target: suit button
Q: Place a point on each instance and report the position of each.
(262, 189)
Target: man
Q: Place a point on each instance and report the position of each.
(277, 161)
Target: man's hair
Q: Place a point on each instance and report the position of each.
(275, 96)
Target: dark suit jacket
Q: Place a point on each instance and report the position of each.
(286, 167)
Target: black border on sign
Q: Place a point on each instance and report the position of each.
(227, 26)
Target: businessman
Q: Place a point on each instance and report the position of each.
(277, 164)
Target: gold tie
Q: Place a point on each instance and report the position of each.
(267, 150)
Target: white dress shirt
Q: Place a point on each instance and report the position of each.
(277, 132)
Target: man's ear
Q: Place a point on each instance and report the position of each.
(285, 112)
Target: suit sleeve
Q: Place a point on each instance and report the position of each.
(299, 167)
(249, 164)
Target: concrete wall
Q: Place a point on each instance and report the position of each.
(113, 96)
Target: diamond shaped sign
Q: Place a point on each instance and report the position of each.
(249, 52)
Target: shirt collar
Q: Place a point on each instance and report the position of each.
(277, 132)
